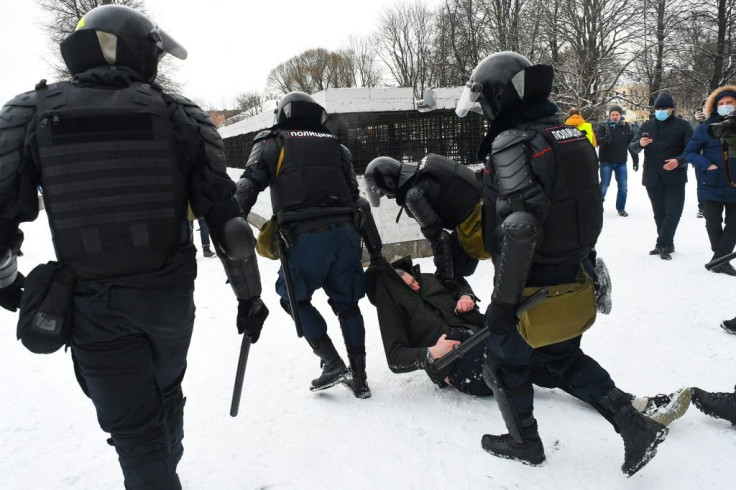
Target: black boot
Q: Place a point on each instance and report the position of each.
(358, 383)
(333, 367)
(641, 434)
(718, 405)
(729, 325)
(522, 443)
(207, 251)
(528, 449)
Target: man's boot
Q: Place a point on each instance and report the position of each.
(358, 383)
(333, 367)
(527, 448)
(522, 443)
(207, 251)
(729, 325)
(641, 434)
(718, 405)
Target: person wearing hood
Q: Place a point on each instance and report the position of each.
(614, 137)
(576, 119)
(314, 197)
(718, 197)
(543, 216)
(118, 159)
(663, 139)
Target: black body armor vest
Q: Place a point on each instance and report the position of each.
(460, 189)
(308, 173)
(115, 199)
(576, 215)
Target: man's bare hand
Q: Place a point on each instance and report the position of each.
(442, 347)
(671, 164)
(464, 304)
(645, 141)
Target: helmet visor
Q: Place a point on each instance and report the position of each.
(374, 196)
(168, 44)
(469, 100)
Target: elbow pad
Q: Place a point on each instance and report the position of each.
(236, 239)
(520, 233)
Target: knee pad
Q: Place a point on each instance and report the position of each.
(300, 304)
(352, 310)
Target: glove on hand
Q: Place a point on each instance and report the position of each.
(501, 319)
(251, 316)
(636, 166)
(10, 295)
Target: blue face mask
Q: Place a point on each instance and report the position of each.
(725, 110)
(661, 115)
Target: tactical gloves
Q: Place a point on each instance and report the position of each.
(10, 296)
(501, 319)
(251, 316)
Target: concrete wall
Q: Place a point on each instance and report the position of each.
(399, 239)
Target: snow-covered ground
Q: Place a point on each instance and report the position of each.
(662, 334)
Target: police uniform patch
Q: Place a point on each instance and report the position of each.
(566, 134)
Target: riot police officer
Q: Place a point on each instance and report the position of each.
(543, 217)
(314, 196)
(441, 195)
(118, 159)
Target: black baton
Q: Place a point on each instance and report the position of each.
(293, 306)
(240, 375)
(720, 260)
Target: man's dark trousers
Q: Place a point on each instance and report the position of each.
(722, 236)
(328, 259)
(667, 203)
(129, 347)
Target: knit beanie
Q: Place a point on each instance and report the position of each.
(615, 108)
(664, 101)
(723, 94)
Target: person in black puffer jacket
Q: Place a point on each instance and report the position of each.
(663, 139)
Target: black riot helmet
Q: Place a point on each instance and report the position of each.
(120, 36)
(500, 81)
(384, 176)
(298, 108)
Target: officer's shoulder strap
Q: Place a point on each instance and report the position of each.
(510, 138)
(207, 128)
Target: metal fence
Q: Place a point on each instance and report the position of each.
(403, 135)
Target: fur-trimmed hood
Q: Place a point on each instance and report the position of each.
(710, 102)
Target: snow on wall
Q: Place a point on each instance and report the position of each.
(352, 100)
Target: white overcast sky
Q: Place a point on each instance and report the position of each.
(232, 44)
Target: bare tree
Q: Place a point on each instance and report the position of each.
(249, 103)
(588, 49)
(61, 19)
(312, 71)
(406, 33)
(711, 59)
(466, 33)
(362, 53)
